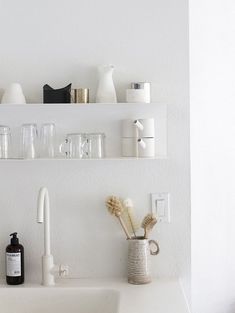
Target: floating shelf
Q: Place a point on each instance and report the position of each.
(87, 118)
(78, 105)
(78, 160)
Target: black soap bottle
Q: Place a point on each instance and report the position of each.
(14, 262)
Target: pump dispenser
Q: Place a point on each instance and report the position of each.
(14, 262)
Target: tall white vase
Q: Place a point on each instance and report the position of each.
(106, 92)
(13, 95)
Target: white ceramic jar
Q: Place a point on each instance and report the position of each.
(139, 93)
(135, 96)
(138, 138)
(13, 94)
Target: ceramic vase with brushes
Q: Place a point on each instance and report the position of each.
(140, 248)
(139, 251)
(139, 263)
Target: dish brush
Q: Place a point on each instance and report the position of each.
(129, 218)
(148, 223)
(115, 207)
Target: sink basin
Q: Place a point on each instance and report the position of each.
(58, 300)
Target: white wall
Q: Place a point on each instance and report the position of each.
(58, 42)
(212, 68)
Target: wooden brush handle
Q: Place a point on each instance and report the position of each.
(124, 227)
(131, 223)
(146, 233)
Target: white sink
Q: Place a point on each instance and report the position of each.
(58, 300)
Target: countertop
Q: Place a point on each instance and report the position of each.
(160, 296)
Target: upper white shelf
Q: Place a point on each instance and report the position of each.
(78, 105)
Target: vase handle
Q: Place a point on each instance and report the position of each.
(156, 250)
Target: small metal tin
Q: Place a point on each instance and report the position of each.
(81, 95)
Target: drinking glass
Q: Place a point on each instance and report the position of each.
(47, 140)
(83, 146)
(5, 142)
(95, 146)
(29, 141)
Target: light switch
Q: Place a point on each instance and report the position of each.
(161, 206)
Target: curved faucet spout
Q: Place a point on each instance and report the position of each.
(43, 216)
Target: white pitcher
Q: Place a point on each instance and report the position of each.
(106, 92)
(139, 263)
(13, 95)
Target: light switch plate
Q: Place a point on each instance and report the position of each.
(161, 206)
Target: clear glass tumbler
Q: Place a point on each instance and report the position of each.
(95, 146)
(47, 140)
(29, 141)
(5, 142)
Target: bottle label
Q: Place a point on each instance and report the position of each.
(13, 262)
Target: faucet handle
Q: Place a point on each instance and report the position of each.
(63, 270)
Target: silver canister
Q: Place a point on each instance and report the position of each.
(80, 95)
(139, 263)
(147, 89)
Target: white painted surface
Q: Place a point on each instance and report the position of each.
(60, 42)
(84, 295)
(212, 68)
(59, 300)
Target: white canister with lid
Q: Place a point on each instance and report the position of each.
(135, 96)
(146, 87)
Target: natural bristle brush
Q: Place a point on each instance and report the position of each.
(129, 218)
(148, 223)
(115, 207)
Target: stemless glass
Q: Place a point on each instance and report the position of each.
(47, 140)
(29, 141)
(5, 142)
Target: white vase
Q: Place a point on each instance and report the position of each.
(106, 92)
(13, 95)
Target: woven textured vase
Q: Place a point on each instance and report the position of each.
(139, 263)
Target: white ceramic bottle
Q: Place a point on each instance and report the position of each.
(13, 95)
(106, 92)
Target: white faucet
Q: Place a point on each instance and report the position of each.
(48, 266)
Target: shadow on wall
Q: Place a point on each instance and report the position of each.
(1, 93)
(232, 308)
